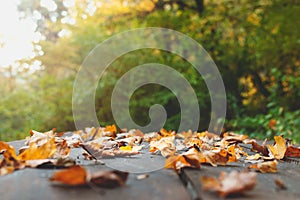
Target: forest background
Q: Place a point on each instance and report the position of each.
(254, 43)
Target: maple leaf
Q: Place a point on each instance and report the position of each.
(265, 167)
(232, 183)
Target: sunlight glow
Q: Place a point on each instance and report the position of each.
(16, 36)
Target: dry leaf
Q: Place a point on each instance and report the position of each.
(165, 145)
(260, 148)
(280, 184)
(191, 159)
(78, 175)
(278, 150)
(109, 179)
(232, 183)
(265, 167)
(10, 160)
(234, 138)
(292, 151)
(75, 175)
(98, 153)
(34, 152)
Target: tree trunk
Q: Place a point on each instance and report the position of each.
(200, 6)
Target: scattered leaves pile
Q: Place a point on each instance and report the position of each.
(185, 149)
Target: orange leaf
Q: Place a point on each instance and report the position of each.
(111, 128)
(75, 175)
(34, 152)
(278, 150)
(8, 150)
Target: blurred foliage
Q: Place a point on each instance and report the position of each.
(255, 44)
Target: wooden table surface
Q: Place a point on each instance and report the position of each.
(163, 183)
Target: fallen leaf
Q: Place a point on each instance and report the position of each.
(78, 175)
(265, 167)
(165, 145)
(292, 151)
(280, 184)
(278, 150)
(109, 179)
(34, 152)
(234, 138)
(75, 175)
(260, 148)
(232, 183)
(111, 128)
(98, 153)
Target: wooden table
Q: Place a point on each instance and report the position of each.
(161, 184)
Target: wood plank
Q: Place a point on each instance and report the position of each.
(33, 184)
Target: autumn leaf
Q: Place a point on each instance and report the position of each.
(292, 151)
(34, 152)
(165, 145)
(234, 138)
(10, 161)
(191, 159)
(98, 153)
(260, 148)
(78, 175)
(232, 183)
(265, 167)
(278, 150)
(111, 128)
(7, 150)
(75, 175)
(109, 179)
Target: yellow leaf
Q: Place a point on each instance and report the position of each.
(34, 152)
(126, 148)
(278, 150)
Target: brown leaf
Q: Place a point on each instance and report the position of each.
(232, 183)
(109, 179)
(260, 148)
(265, 167)
(191, 159)
(234, 138)
(280, 184)
(292, 151)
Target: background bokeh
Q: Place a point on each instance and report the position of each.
(254, 43)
